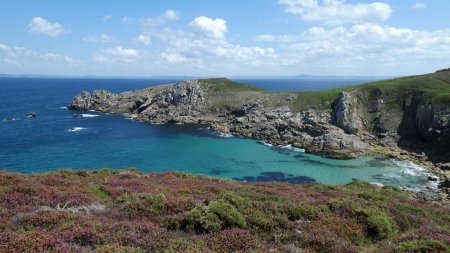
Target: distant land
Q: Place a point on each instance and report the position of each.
(328, 77)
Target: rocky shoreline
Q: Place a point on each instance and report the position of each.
(358, 123)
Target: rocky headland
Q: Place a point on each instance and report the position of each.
(406, 118)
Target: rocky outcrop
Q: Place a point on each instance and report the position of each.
(309, 130)
(345, 114)
(99, 100)
(181, 103)
(186, 102)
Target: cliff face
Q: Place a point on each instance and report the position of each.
(396, 119)
(240, 111)
(390, 115)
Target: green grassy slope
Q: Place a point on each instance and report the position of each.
(433, 89)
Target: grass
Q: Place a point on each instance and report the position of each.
(145, 212)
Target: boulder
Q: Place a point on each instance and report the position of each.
(31, 114)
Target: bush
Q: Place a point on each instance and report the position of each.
(378, 223)
(233, 240)
(423, 246)
(214, 217)
(303, 211)
(143, 204)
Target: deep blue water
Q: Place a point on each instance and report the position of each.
(46, 142)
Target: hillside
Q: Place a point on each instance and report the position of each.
(127, 211)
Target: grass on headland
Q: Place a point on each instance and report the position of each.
(128, 211)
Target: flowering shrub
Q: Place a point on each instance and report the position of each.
(128, 211)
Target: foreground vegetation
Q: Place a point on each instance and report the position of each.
(127, 211)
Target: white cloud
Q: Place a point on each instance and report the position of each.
(22, 56)
(364, 49)
(171, 15)
(103, 38)
(144, 39)
(118, 55)
(418, 6)
(277, 38)
(42, 26)
(60, 58)
(173, 58)
(212, 28)
(107, 17)
(4, 47)
(167, 16)
(127, 20)
(335, 12)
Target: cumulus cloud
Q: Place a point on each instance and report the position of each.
(23, 56)
(117, 55)
(42, 26)
(212, 28)
(107, 17)
(169, 15)
(188, 50)
(364, 47)
(418, 6)
(103, 38)
(144, 39)
(336, 12)
(173, 58)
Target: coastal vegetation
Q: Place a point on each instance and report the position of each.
(128, 211)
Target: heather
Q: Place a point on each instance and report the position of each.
(128, 211)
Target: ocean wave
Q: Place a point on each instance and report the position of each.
(86, 115)
(223, 135)
(63, 107)
(266, 144)
(291, 148)
(91, 110)
(76, 129)
(411, 169)
(11, 119)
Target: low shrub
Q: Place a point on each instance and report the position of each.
(423, 246)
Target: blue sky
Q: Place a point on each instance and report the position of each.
(224, 38)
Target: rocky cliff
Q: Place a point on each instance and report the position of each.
(260, 117)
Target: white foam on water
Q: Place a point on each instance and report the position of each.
(223, 135)
(155, 123)
(11, 119)
(91, 110)
(86, 115)
(76, 129)
(266, 144)
(63, 107)
(291, 148)
(411, 169)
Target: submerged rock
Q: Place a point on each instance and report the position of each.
(30, 114)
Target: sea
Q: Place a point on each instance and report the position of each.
(54, 139)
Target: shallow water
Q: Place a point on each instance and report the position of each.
(55, 139)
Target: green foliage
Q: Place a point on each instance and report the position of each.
(143, 204)
(304, 211)
(217, 215)
(423, 246)
(97, 191)
(223, 84)
(378, 223)
(145, 212)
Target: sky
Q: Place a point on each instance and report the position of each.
(224, 38)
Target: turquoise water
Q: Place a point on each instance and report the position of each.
(54, 139)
